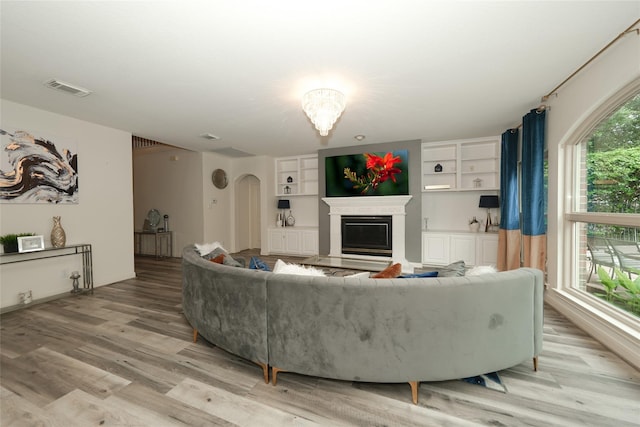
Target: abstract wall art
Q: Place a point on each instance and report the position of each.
(35, 169)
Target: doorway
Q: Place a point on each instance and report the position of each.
(247, 213)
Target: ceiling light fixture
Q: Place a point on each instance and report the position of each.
(359, 137)
(323, 107)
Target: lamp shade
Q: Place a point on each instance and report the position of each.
(284, 204)
(489, 202)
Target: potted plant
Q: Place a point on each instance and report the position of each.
(10, 241)
(474, 225)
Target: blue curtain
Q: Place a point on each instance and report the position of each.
(509, 239)
(534, 227)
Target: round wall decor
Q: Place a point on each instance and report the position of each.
(219, 178)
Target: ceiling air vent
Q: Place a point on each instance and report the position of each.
(67, 88)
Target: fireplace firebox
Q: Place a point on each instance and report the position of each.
(367, 235)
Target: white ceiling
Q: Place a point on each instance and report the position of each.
(173, 70)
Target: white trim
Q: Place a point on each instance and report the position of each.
(600, 321)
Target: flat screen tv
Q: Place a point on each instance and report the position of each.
(368, 174)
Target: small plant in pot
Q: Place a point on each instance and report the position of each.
(10, 241)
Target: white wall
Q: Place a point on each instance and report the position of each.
(574, 103)
(217, 203)
(172, 182)
(103, 217)
(452, 210)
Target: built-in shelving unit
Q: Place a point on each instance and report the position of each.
(297, 175)
(463, 165)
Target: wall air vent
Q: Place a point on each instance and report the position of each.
(210, 136)
(67, 88)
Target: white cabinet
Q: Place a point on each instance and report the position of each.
(463, 247)
(440, 248)
(435, 248)
(296, 176)
(487, 249)
(293, 240)
(463, 165)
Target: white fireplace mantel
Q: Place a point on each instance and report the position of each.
(370, 205)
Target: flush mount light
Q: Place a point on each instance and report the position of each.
(359, 137)
(323, 107)
(67, 88)
(210, 136)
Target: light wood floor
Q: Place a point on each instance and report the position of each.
(124, 357)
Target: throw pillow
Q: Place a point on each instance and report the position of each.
(256, 263)
(232, 262)
(282, 267)
(214, 253)
(205, 248)
(219, 259)
(452, 270)
(481, 269)
(390, 272)
(423, 274)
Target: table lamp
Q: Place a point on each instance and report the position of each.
(489, 202)
(283, 204)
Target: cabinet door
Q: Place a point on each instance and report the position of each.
(309, 242)
(487, 250)
(463, 247)
(276, 241)
(292, 241)
(435, 249)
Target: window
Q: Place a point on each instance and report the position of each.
(604, 217)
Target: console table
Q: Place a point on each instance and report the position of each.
(163, 242)
(82, 249)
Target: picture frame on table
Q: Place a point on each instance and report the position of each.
(30, 244)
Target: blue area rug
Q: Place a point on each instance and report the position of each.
(490, 380)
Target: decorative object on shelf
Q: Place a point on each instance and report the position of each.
(219, 178)
(58, 236)
(152, 221)
(287, 189)
(437, 168)
(26, 297)
(9, 242)
(291, 221)
(30, 243)
(283, 204)
(279, 220)
(166, 223)
(477, 183)
(323, 107)
(76, 286)
(489, 202)
(289, 179)
(474, 225)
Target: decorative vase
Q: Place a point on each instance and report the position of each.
(10, 247)
(474, 226)
(58, 236)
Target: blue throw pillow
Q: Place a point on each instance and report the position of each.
(257, 264)
(425, 274)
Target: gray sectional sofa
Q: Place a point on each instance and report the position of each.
(363, 329)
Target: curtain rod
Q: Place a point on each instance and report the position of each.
(629, 30)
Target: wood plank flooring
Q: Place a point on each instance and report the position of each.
(124, 357)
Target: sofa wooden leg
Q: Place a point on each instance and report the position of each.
(195, 335)
(535, 363)
(274, 374)
(265, 371)
(414, 391)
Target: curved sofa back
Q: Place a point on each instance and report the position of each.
(391, 330)
(378, 330)
(227, 305)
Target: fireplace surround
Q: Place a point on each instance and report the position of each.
(393, 206)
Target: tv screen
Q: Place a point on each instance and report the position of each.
(368, 174)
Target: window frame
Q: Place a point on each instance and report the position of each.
(569, 261)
